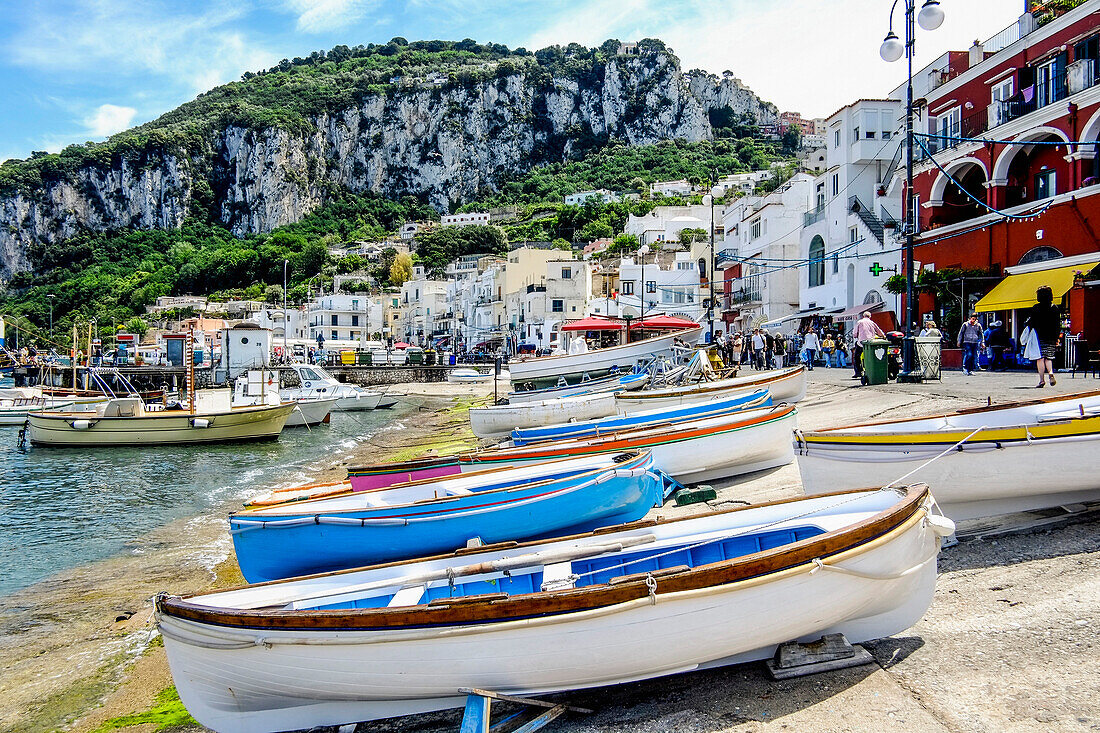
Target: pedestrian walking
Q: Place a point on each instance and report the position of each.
(811, 345)
(1045, 321)
(758, 347)
(997, 342)
(828, 346)
(971, 338)
(865, 330)
(931, 330)
(781, 348)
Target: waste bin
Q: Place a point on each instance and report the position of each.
(929, 355)
(347, 358)
(364, 358)
(415, 357)
(875, 352)
(429, 358)
(452, 360)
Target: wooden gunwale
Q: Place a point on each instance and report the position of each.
(707, 387)
(549, 603)
(262, 514)
(640, 439)
(961, 412)
(414, 465)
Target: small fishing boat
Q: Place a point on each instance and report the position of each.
(643, 419)
(699, 450)
(127, 421)
(635, 602)
(466, 375)
(1000, 459)
(497, 421)
(14, 409)
(407, 520)
(319, 384)
(260, 387)
(613, 383)
(544, 371)
(785, 385)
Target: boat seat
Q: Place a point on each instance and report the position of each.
(556, 574)
(456, 491)
(407, 596)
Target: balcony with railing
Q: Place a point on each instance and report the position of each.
(813, 216)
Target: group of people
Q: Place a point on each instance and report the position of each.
(759, 348)
(1038, 341)
(836, 349)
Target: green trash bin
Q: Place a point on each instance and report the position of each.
(364, 358)
(875, 353)
(416, 357)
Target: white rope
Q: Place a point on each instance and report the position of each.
(819, 564)
(936, 458)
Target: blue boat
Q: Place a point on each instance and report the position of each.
(643, 419)
(422, 518)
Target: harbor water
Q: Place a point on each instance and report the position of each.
(61, 508)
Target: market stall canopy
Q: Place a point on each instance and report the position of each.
(664, 323)
(856, 311)
(1018, 291)
(401, 345)
(594, 323)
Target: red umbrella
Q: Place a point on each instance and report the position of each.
(593, 323)
(401, 345)
(664, 323)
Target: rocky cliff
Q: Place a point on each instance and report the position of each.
(439, 137)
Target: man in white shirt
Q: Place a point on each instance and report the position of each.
(865, 330)
(811, 344)
(759, 347)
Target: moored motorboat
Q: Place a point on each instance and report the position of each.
(785, 385)
(126, 421)
(319, 384)
(465, 375)
(497, 421)
(1003, 458)
(644, 601)
(14, 410)
(407, 520)
(614, 383)
(699, 450)
(544, 371)
(635, 420)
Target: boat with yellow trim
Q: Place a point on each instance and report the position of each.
(1014, 457)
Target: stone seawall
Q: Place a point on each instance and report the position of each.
(375, 376)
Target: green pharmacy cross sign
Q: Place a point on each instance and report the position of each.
(877, 269)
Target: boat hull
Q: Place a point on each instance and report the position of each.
(358, 402)
(715, 448)
(387, 533)
(309, 412)
(165, 428)
(236, 679)
(497, 421)
(592, 386)
(785, 385)
(984, 478)
(545, 370)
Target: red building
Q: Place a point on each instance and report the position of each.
(1031, 97)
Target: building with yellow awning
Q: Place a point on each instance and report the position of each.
(1017, 292)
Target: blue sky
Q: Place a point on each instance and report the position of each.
(76, 70)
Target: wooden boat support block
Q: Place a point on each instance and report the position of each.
(829, 653)
(697, 495)
(475, 718)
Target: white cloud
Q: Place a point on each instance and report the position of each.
(108, 119)
(317, 16)
(808, 56)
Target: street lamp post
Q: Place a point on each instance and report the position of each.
(929, 18)
(642, 252)
(286, 354)
(709, 199)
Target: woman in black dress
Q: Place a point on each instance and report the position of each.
(1046, 320)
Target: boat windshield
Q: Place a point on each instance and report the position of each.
(316, 375)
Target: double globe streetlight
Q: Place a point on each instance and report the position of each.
(929, 18)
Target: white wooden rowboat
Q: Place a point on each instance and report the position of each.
(497, 421)
(1023, 456)
(648, 600)
(785, 385)
(625, 357)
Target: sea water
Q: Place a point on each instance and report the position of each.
(61, 508)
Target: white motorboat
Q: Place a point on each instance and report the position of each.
(261, 387)
(497, 421)
(999, 459)
(465, 375)
(317, 383)
(630, 603)
(545, 370)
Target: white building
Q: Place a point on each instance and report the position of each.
(601, 195)
(764, 243)
(465, 220)
(665, 223)
(739, 183)
(344, 319)
(421, 301)
(848, 236)
(537, 311)
(296, 321)
(671, 188)
(669, 286)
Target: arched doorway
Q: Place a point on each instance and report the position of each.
(817, 262)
